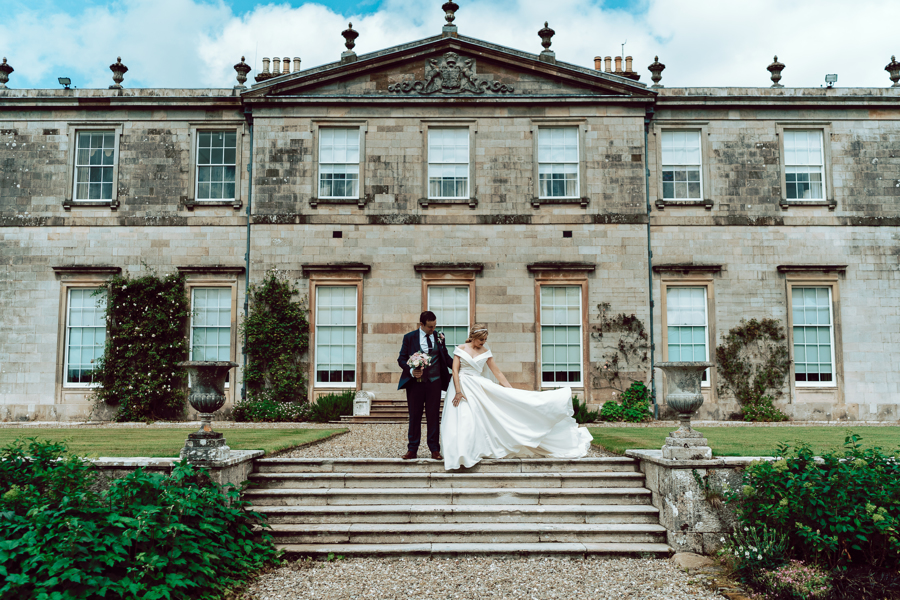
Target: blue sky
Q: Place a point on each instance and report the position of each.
(195, 43)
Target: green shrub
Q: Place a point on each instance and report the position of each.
(843, 510)
(266, 410)
(752, 549)
(797, 580)
(150, 536)
(582, 414)
(138, 372)
(634, 405)
(331, 407)
(277, 335)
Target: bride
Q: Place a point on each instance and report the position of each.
(488, 418)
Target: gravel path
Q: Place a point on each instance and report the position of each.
(371, 440)
(477, 578)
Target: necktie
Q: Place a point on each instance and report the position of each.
(428, 339)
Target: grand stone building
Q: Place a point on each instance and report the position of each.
(481, 182)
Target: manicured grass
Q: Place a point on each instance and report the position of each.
(164, 442)
(748, 441)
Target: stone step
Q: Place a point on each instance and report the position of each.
(494, 550)
(466, 513)
(456, 533)
(427, 465)
(516, 495)
(446, 480)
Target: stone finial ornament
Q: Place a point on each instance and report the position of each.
(450, 9)
(350, 36)
(775, 69)
(656, 68)
(5, 70)
(893, 68)
(119, 71)
(242, 69)
(546, 34)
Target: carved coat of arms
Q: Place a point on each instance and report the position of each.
(450, 76)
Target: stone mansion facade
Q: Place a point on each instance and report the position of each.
(568, 208)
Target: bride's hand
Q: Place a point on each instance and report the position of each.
(459, 396)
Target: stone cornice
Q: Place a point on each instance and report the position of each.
(807, 268)
(560, 266)
(211, 269)
(309, 268)
(441, 266)
(94, 269)
(686, 268)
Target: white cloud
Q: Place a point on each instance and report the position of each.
(190, 43)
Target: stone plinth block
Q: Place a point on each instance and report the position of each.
(205, 447)
(362, 403)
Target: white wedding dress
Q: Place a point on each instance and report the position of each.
(498, 422)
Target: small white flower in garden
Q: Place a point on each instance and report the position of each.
(759, 557)
(746, 529)
(722, 540)
(747, 554)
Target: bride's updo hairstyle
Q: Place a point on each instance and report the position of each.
(478, 331)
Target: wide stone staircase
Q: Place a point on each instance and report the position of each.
(391, 507)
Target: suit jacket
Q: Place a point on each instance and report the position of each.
(410, 346)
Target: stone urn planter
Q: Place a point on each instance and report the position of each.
(683, 395)
(207, 396)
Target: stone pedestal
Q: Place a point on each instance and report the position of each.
(207, 396)
(684, 397)
(362, 404)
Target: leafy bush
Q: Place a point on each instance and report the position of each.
(797, 580)
(751, 550)
(752, 364)
(277, 335)
(150, 536)
(843, 510)
(582, 414)
(138, 372)
(633, 408)
(331, 407)
(265, 410)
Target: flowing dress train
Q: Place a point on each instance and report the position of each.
(498, 422)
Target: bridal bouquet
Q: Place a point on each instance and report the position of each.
(419, 360)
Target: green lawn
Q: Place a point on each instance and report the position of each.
(164, 442)
(747, 441)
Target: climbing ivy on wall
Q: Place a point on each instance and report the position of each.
(146, 321)
(277, 334)
(752, 365)
(629, 349)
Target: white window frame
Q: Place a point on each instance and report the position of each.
(72, 132)
(581, 344)
(698, 166)
(819, 165)
(66, 342)
(578, 151)
(795, 285)
(194, 289)
(197, 166)
(468, 305)
(356, 325)
(444, 163)
(358, 163)
(706, 382)
(827, 177)
(191, 200)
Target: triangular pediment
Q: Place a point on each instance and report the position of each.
(447, 67)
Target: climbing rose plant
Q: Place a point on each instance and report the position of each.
(752, 364)
(277, 336)
(146, 319)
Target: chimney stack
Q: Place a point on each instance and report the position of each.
(264, 74)
(296, 64)
(276, 66)
(608, 61)
(628, 64)
(287, 66)
(598, 63)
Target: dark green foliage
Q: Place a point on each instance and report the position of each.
(582, 414)
(752, 364)
(331, 407)
(633, 407)
(269, 411)
(842, 511)
(277, 335)
(150, 536)
(146, 326)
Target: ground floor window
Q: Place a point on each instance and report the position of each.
(687, 326)
(561, 333)
(211, 324)
(451, 306)
(813, 333)
(335, 335)
(85, 334)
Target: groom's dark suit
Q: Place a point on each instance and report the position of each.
(427, 394)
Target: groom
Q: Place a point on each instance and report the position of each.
(424, 386)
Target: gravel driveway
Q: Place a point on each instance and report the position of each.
(477, 578)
